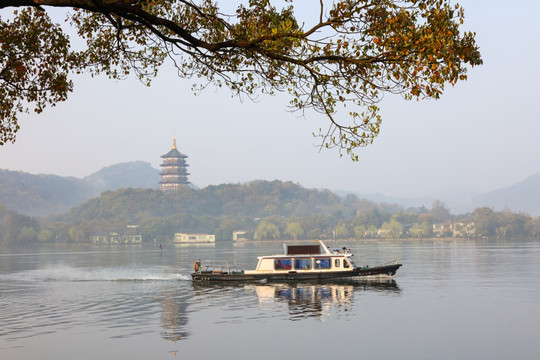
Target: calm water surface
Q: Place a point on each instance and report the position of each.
(450, 300)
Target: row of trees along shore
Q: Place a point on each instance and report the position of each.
(267, 211)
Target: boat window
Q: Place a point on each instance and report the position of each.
(322, 263)
(282, 264)
(337, 263)
(304, 264)
(346, 264)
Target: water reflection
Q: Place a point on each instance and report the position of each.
(306, 301)
(318, 300)
(174, 315)
(303, 300)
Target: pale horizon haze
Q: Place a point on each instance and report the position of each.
(482, 135)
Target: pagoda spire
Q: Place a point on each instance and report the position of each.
(174, 141)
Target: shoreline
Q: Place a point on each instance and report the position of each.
(280, 241)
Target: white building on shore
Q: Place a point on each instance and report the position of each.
(184, 238)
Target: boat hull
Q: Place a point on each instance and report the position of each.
(360, 273)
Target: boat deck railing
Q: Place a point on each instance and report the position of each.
(344, 250)
(219, 267)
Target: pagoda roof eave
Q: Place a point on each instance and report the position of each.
(174, 153)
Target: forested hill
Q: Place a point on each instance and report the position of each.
(257, 199)
(41, 195)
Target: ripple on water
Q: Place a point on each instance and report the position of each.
(58, 298)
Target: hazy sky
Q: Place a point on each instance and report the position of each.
(482, 135)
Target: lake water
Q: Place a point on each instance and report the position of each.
(450, 300)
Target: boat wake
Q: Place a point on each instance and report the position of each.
(66, 273)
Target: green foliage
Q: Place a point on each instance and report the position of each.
(341, 231)
(532, 227)
(405, 217)
(392, 229)
(45, 236)
(421, 230)
(35, 61)
(352, 54)
(267, 230)
(359, 231)
(316, 214)
(373, 218)
(485, 221)
(294, 230)
(17, 228)
(255, 199)
(501, 224)
(416, 231)
(27, 235)
(215, 209)
(227, 226)
(371, 232)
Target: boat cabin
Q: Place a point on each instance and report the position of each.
(306, 258)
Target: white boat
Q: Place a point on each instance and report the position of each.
(298, 262)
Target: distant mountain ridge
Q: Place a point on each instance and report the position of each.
(42, 195)
(136, 174)
(456, 202)
(523, 196)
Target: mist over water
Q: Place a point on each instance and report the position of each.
(451, 299)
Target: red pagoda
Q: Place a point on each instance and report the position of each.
(174, 169)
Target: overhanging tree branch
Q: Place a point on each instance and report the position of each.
(353, 53)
